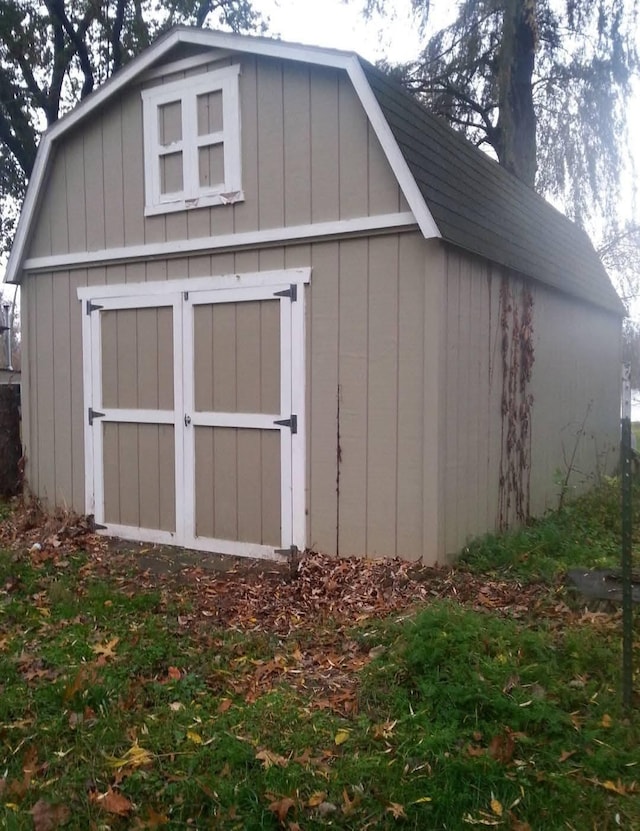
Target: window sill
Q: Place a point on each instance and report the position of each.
(229, 198)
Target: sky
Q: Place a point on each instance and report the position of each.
(338, 25)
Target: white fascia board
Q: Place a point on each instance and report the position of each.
(347, 61)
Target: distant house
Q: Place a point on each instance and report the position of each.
(270, 302)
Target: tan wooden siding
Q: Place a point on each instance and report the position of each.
(372, 427)
(308, 155)
(139, 475)
(237, 484)
(576, 361)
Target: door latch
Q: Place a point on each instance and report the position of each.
(187, 420)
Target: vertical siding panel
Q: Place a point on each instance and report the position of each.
(270, 468)
(150, 482)
(204, 482)
(482, 294)
(29, 389)
(325, 186)
(61, 343)
(73, 154)
(176, 224)
(382, 396)
(94, 186)
(250, 485)
(245, 214)
(40, 242)
(222, 263)
(200, 266)
(77, 279)
(464, 468)
(324, 337)
(113, 165)
(297, 145)
(409, 542)
(451, 496)
(58, 205)
(354, 265)
(225, 488)
(133, 169)
(271, 259)
(270, 146)
(434, 401)
(384, 193)
(45, 430)
(166, 443)
(495, 403)
(129, 473)
(178, 268)
(353, 161)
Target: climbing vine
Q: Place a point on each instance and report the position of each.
(517, 353)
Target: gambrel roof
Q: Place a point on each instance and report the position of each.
(454, 190)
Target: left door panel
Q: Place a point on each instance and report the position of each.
(136, 399)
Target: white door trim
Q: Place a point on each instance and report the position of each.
(182, 295)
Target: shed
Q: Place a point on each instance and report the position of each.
(270, 302)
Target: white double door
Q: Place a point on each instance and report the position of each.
(195, 425)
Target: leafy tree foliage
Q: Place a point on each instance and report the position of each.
(541, 84)
(55, 52)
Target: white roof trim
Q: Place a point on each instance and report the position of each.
(268, 47)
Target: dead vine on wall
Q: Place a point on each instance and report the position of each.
(517, 352)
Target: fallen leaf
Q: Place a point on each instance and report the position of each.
(135, 757)
(396, 810)
(615, 787)
(518, 825)
(326, 808)
(607, 721)
(224, 705)
(176, 706)
(422, 799)
(566, 754)
(341, 737)
(47, 817)
(281, 807)
(349, 805)
(151, 819)
(194, 737)
(316, 798)
(113, 802)
(502, 748)
(269, 759)
(106, 650)
(496, 807)
(174, 673)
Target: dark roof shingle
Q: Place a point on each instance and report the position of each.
(479, 206)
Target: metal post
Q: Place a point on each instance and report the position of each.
(627, 611)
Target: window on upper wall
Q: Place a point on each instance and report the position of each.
(192, 142)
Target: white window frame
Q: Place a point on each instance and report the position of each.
(186, 92)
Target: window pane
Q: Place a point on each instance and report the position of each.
(210, 113)
(171, 180)
(170, 123)
(211, 165)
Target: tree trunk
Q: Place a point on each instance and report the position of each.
(517, 122)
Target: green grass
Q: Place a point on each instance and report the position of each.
(110, 702)
(585, 533)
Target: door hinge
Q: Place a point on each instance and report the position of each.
(291, 422)
(93, 307)
(94, 414)
(291, 292)
(185, 295)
